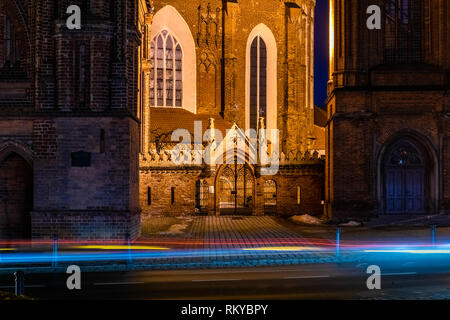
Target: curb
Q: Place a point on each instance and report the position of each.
(185, 265)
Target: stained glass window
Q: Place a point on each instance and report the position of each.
(166, 76)
(403, 24)
(405, 155)
(11, 50)
(258, 81)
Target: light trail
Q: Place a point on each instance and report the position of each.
(433, 251)
(152, 250)
(283, 249)
(121, 247)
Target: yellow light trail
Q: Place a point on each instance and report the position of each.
(120, 247)
(281, 249)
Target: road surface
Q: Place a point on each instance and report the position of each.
(399, 280)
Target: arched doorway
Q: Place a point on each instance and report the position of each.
(236, 186)
(405, 178)
(270, 197)
(201, 196)
(16, 197)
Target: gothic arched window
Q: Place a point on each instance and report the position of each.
(403, 31)
(258, 81)
(166, 75)
(11, 53)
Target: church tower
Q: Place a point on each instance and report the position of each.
(387, 144)
(68, 119)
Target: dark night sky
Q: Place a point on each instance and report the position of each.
(321, 52)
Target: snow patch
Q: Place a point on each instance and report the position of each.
(351, 224)
(175, 229)
(306, 219)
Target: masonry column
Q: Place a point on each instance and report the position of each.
(295, 69)
(230, 14)
(146, 65)
(259, 197)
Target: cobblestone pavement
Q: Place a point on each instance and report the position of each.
(236, 228)
(226, 241)
(263, 238)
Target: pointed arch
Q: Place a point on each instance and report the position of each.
(15, 35)
(16, 191)
(9, 147)
(268, 65)
(168, 19)
(415, 143)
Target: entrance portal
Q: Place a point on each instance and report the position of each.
(16, 197)
(405, 179)
(236, 187)
(270, 197)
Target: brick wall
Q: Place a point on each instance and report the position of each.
(161, 184)
(311, 192)
(308, 177)
(361, 131)
(90, 225)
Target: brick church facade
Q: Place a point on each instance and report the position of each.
(90, 118)
(388, 133)
(86, 116)
(245, 65)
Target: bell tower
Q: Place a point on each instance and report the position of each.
(386, 86)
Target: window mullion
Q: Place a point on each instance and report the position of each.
(164, 71)
(258, 74)
(174, 70)
(155, 74)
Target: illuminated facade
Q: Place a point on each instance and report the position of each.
(230, 65)
(86, 115)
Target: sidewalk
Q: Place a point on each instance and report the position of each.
(438, 220)
(401, 229)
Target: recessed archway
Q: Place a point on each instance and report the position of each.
(15, 34)
(16, 196)
(407, 176)
(235, 188)
(270, 197)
